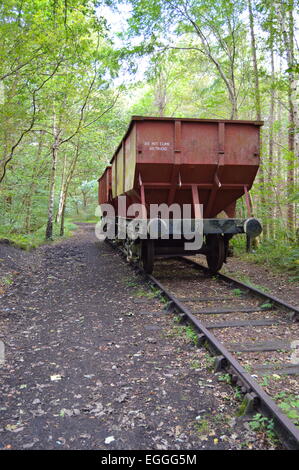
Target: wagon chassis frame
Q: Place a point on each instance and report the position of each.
(225, 226)
(215, 233)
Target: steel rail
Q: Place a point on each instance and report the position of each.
(287, 431)
(257, 399)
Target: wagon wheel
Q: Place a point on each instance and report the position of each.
(216, 252)
(147, 255)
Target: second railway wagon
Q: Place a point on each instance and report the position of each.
(204, 163)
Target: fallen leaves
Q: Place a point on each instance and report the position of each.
(66, 412)
(55, 378)
(14, 427)
(91, 370)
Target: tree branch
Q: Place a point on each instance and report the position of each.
(29, 128)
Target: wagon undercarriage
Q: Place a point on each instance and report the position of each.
(216, 234)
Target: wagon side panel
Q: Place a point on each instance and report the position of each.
(104, 186)
(130, 159)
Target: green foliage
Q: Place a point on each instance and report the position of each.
(279, 254)
(34, 239)
(238, 394)
(195, 364)
(63, 69)
(202, 426)
(237, 292)
(265, 381)
(289, 405)
(191, 334)
(57, 64)
(266, 305)
(6, 280)
(225, 378)
(264, 425)
(210, 361)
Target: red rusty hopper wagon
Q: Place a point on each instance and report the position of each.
(192, 162)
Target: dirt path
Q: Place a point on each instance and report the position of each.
(90, 356)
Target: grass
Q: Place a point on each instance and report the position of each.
(85, 217)
(195, 364)
(243, 278)
(202, 427)
(153, 293)
(191, 334)
(237, 292)
(144, 293)
(29, 241)
(186, 332)
(132, 283)
(280, 255)
(210, 361)
(6, 280)
(149, 294)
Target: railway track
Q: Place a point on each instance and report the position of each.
(252, 335)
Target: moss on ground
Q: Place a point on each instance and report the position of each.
(29, 241)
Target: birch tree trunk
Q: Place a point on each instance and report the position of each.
(257, 110)
(60, 204)
(54, 153)
(66, 185)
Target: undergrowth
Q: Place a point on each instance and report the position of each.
(280, 255)
(28, 241)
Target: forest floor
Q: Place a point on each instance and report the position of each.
(92, 361)
(279, 284)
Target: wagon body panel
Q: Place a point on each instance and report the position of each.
(104, 187)
(169, 156)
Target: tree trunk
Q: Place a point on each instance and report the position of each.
(68, 180)
(292, 122)
(254, 62)
(271, 145)
(60, 205)
(62, 219)
(55, 146)
(257, 111)
(288, 36)
(33, 184)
